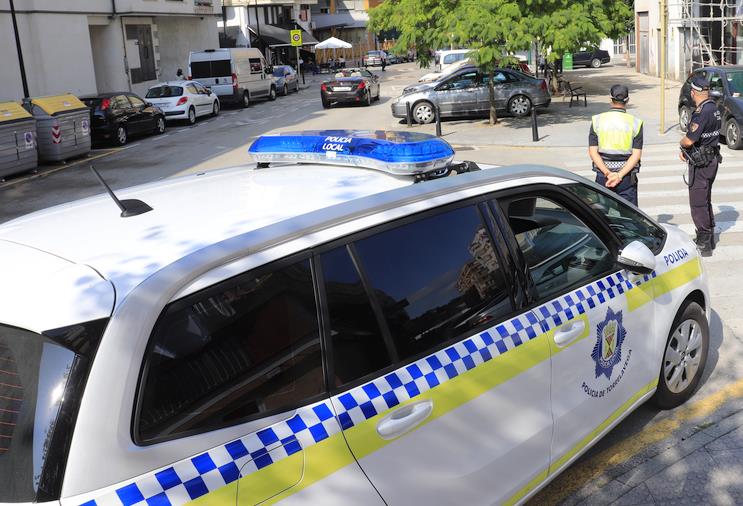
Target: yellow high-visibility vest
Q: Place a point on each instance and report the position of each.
(616, 130)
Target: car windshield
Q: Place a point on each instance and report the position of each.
(373, 53)
(735, 82)
(278, 71)
(164, 92)
(41, 379)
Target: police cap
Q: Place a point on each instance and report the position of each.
(619, 93)
(699, 83)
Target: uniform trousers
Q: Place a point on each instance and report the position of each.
(700, 197)
(626, 188)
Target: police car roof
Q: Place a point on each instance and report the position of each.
(196, 212)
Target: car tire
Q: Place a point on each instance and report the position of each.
(519, 106)
(325, 104)
(121, 135)
(733, 135)
(245, 102)
(191, 118)
(674, 384)
(684, 118)
(215, 108)
(424, 113)
(595, 63)
(159, 125)
(285, 90)
(272, 93)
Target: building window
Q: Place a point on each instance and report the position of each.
(140, 53)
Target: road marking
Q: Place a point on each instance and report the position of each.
(583, 472)
(674, 209)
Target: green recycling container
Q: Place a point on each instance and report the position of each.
(567, 61)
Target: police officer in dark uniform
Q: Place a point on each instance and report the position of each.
(700, 148)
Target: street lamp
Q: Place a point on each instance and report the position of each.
(18, 49)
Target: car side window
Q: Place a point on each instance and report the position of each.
(433, 280)
(628, 224)
(120, 102)
(461, 82)
(136, 101)
(255, 65)
(560, 251)
(715, 81)
(246, 347)
(192, 89)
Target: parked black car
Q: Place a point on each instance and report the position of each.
(591, 58)
(726, 88)
(116, 116)
(350, 86)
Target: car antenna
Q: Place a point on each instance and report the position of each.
(129, 207)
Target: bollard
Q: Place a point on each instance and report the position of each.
(408, 114)
(534, 126)
(438, 120)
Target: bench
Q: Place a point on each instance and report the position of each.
(576, 93)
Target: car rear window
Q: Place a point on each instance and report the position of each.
(206, 69)
(164, 92)
(41, 381)
(92, 102)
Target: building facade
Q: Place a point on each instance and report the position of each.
(348, 21)
(90, 46)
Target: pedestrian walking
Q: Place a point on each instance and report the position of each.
(179, 75)
(700, 149)
(615, 146)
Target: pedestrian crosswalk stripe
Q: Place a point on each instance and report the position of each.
(682, 192)
(683, 209)
(723, 227)
(725, 254)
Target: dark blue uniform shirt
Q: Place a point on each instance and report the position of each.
(705, 125)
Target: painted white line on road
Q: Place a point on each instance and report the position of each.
(683, 209)
(725, 254)
(649, 179)
(725, 227)
(723, 190)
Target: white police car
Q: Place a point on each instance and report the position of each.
(309, 331)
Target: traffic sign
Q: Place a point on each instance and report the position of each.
(296, 36)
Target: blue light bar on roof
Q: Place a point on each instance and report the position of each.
(399, 153)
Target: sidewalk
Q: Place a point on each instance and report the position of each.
(563, 126)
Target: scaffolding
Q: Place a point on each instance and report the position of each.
(712, 31)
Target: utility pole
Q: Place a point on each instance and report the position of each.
(663, 67)
(24, 82)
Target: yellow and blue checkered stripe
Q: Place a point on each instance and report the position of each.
(192, 478)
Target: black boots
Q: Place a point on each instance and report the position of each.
(705, 242)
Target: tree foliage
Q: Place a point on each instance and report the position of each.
(495, 29)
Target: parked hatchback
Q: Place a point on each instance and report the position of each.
(591, 58)
(286, 79)
(184, 100)
(114, 117)
(726, 89)
(341, 325)
(465, 93)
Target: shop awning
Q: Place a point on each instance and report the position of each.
(351, 19)
(275, 36)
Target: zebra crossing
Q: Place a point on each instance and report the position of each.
(663, 195)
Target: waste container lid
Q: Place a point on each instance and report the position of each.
(12, 111)
(57, 104)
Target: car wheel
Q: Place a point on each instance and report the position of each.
(272, 93)
(160, 125)
(684, 118)
(191, 115)
(424, 113)
(596, 63)
(684, 357)
(121, 136)
(732, 134)
(246, 100)
(520, 106)
(285, 90)
(325, 104)
(215, 109)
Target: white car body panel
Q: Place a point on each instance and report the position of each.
(202, 104)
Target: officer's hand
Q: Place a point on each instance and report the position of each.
(613, 180)
(681, 156)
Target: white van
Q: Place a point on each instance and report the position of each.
(237, 75)
(447, 58)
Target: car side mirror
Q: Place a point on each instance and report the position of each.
(637, 258)
(715, 94)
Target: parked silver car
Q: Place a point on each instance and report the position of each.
(465, 93)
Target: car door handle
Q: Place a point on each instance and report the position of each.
(569, 333)
(404, 419)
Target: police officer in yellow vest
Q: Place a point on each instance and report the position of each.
(615, 146)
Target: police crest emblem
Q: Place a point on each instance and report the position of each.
(607, 352)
